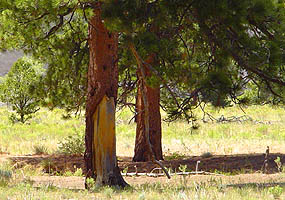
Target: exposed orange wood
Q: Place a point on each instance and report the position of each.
(100, 154)
(104, 138)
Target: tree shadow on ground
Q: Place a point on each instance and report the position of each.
(234, 164)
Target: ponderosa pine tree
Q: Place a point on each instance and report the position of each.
(100, 155)
(227, 43)
(51, 29)
(150, 35)
(142, 154)
(229, 46)
(214, 47)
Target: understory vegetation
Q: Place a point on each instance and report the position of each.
(219, 132)
(18, 184)
(224, 131)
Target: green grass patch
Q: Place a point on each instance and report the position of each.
(48, 129)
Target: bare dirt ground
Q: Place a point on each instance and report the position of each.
(247, 166)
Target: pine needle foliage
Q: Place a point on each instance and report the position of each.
(210, 51)
(16, 89)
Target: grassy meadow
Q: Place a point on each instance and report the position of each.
(48, 128)
(44, 132)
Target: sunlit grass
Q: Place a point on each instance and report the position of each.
(47, 128)
(180, 190)
(228, 138)
(266, 129)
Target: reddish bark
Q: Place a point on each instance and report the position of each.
(101, 162)
(142, 153)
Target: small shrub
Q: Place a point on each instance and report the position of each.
(276, 191)
(16, 89)
(48, 166)
(5, 177)
(73, 144)
(68, 173)
(90, 183)
(182, 168)
(40, 149)
(125, 170)
(5, 174)
(78, 172)
(279, 164)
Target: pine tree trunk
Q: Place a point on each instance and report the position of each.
(100, 139)
(142, 154)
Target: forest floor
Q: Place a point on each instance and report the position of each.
(222, 159)
(239, 169)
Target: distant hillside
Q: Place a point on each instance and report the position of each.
(6, 61)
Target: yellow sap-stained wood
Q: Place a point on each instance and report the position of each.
(104, 137)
